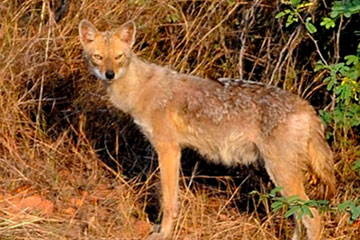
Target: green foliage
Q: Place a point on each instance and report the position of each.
(292, 14)
(356, 167)
(341, 8)
(352, 207)
(345, 8)
(343, 83)
(343, 77)
(294, 205)
(327, 23)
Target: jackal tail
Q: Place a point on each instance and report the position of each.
(321, 160)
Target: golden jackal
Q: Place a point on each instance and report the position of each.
(228, 123)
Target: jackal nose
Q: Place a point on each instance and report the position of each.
(109, 74)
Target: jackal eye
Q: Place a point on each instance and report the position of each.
(118, 56)
(97, 57)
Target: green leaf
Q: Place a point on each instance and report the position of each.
(331, 83)
(294, 198)
(291, 19)
(263, 197)
(355, 212)
(309, 26)
(342, 68)
(353, 74)
(354, 9)
(347, 14)
(274, 191)
(312, 203)
(323, 202)
(319, 66)
(334, 14)
(276, 206)
(328, 23)
(306, 210)
(254, 192)
(293, 210)
(343, 206)
(326, 116)
(295, 3)
(356, 166)
(351, 59)
(280, 15)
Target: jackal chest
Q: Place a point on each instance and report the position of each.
(121, 98)
(145, 127)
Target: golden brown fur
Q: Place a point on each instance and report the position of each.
(230, 122)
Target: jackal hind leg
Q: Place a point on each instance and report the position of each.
(288, 174)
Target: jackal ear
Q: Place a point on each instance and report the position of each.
(87, 31)
(126, 32)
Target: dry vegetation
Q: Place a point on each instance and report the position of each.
(73, 167)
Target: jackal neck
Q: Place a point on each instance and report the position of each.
(127, 91)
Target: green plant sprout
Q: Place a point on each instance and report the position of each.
(295, 205)
(292, 14)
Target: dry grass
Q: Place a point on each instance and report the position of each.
(73, 167)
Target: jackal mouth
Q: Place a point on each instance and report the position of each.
(108, 76)
(97, 72)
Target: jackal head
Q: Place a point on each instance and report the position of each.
(108, 53)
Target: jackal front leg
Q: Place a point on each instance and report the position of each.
(169, 161)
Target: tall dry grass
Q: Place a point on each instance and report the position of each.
(74, 167)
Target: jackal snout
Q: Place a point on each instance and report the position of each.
(109, 74)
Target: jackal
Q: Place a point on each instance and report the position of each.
(227, 123)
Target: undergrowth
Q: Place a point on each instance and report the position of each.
(74, 167)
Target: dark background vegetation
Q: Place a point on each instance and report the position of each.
(74, 167)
